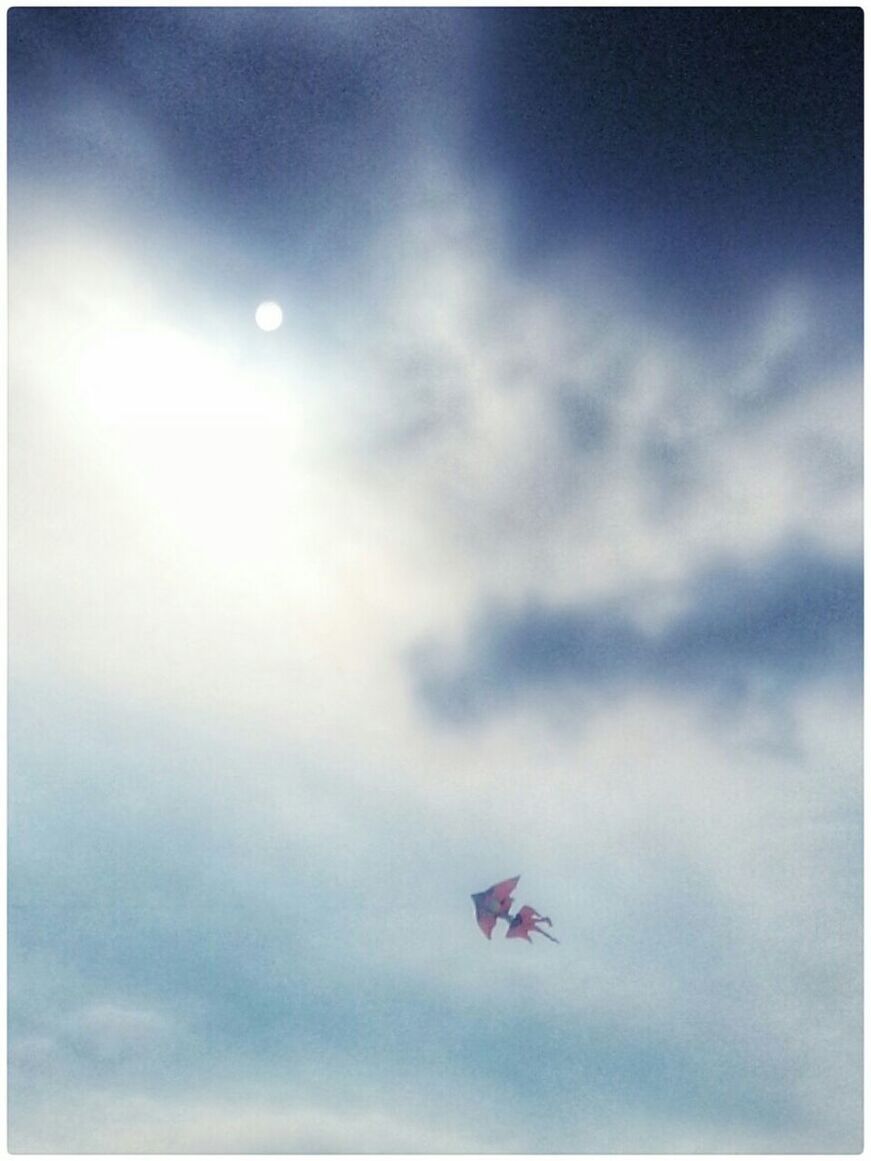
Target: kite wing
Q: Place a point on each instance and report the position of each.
(493, 904)
(518, 933)
(521, 925)
(486, 923)
(501, 892)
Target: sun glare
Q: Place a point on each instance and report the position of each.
(268, 316)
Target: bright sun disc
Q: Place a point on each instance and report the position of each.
(268, 316)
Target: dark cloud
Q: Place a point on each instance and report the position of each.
(290, 127)
(784, 621)
(718, 144)
(715, 147)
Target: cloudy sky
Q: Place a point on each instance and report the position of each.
(530, 543)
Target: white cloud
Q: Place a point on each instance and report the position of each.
(139, 1124)
(112, 1030)
(196, 491)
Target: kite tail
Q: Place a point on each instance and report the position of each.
(552, 938)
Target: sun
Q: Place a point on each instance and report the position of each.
(268, 316)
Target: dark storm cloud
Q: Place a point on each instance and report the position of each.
(783, 622)
(715, 144)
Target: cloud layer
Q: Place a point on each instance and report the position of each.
(475, 567)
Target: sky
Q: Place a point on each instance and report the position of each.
(530, 543)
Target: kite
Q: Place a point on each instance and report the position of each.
(525, 921)
(495, 903)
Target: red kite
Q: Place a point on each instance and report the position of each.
(525, 921)
(494, 903)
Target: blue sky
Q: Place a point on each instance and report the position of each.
(530, 543)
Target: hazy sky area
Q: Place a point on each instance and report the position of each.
(531, 543)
